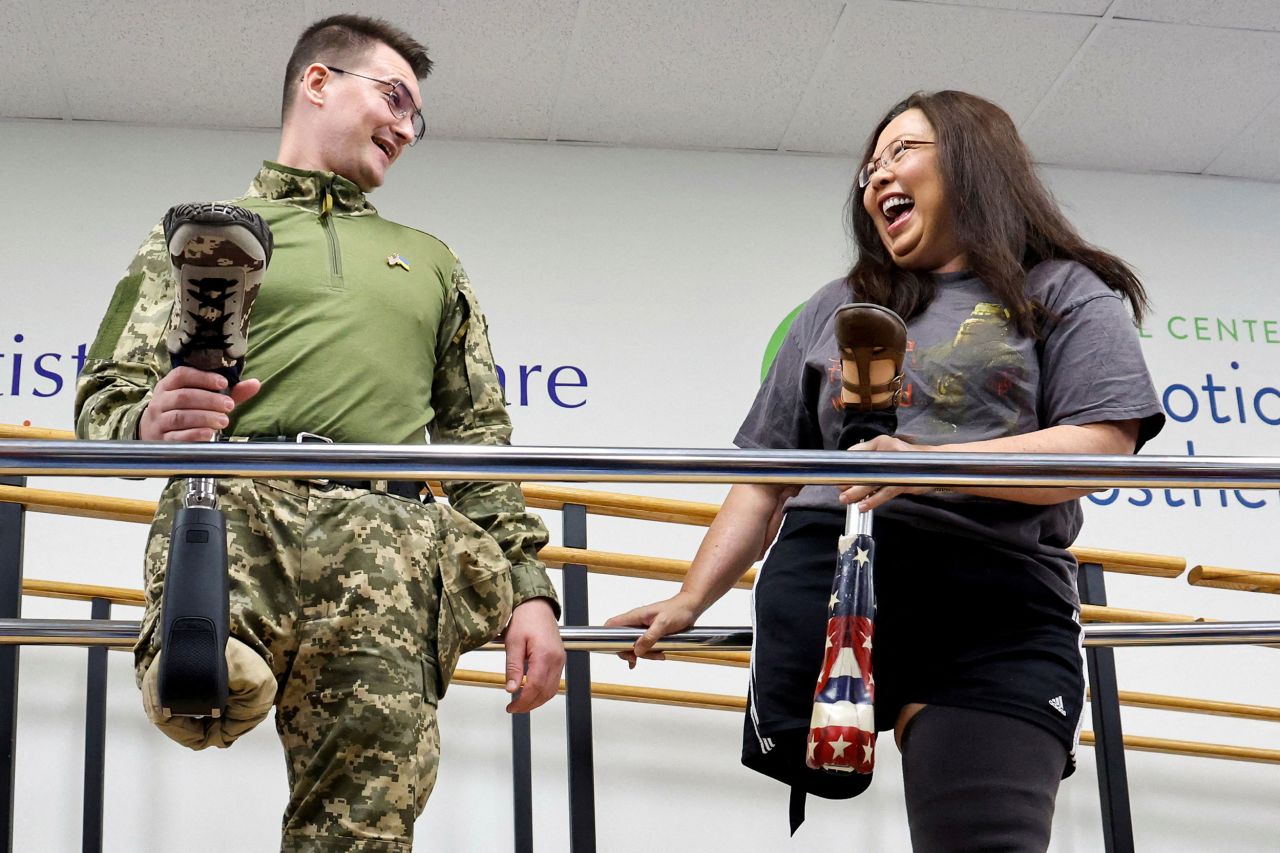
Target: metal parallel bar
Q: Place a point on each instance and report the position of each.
(589, 638)
(522, 782)
(595, 464)
(95, 739)
(1104, 704)
(12, 523)
(577, 676)
(123, 631)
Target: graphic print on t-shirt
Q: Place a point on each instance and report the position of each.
(978, 375)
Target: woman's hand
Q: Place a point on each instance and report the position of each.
(1119, 437)
(874, 497)
(660, 618)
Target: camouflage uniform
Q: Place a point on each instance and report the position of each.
(357, 601)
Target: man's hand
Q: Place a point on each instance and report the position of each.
(533, 638)
(188, 405)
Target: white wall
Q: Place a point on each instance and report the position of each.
(661, 276)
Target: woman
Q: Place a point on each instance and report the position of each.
(1020, 341)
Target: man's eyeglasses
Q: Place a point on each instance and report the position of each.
(398, 100)
(891, 154)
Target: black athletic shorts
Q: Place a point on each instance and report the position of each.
(958, 623)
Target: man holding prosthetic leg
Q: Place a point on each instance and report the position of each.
(350, 600)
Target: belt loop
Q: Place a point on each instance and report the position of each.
(378, 486)
(303, 438)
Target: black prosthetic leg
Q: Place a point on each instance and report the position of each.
(219, 253)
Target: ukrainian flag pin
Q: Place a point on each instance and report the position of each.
(398, 261)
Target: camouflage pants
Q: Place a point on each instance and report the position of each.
(360, 603)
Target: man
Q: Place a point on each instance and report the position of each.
(349, 604)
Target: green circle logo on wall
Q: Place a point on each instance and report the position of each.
(775, 342)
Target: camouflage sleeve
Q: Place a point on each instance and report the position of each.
(467, 399)
(128, 356)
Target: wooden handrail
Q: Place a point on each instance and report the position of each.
(25, 432)
(1188, 705)
(1097, 613)
(628, 565)
(1240, 579)
(81, 505)
(1149, 565)
(740, 659)
(623, 692)
(1193, 748)
(718, 702)
(82, 592)
(618, 505)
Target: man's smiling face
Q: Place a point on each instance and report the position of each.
(360, 136)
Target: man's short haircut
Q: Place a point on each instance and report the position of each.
(342, 38)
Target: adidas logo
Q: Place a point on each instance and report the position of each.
(1056, 702)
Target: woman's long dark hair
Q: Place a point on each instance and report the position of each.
(1005, 220)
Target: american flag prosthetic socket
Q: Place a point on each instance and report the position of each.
(842, 731)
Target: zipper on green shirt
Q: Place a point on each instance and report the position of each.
(331, 232)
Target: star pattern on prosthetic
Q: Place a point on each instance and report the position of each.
(866, 752)
(842, 718)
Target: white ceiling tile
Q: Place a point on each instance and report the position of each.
(1068, 7)
(889, 50)
(181, 62)
(717, 73)
(1246, 14)
(1253, 153)
(1157, 98)
(497, 64)
(32, 88)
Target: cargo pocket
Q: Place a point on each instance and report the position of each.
(475, 590)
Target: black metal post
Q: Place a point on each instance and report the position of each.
(577, 673)
(12, 523)
(1108, 747)
(95, 738)
(522, 782)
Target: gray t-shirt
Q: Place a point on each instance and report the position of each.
(971, 376)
